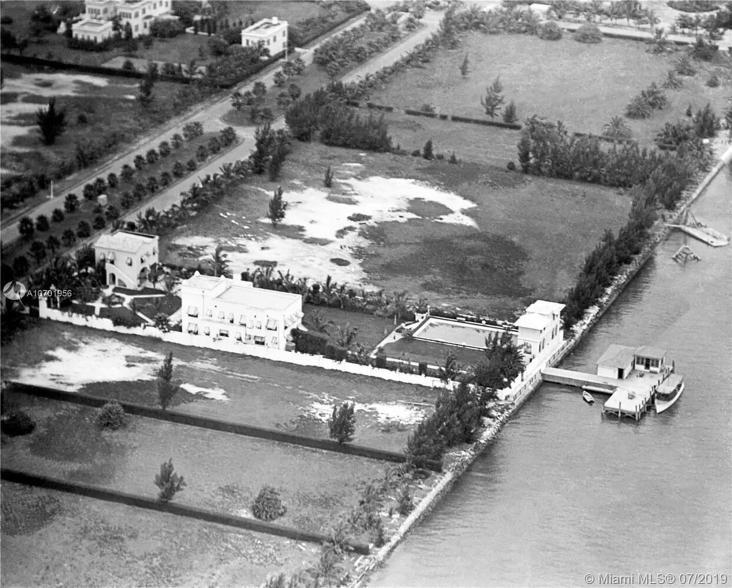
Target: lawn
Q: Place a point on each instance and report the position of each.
(224, 472)
(583, 85)
(231, 387)
(371, 329)
(470, 235)
(53, 538)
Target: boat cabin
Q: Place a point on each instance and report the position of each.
(669, 387)
(649, 359)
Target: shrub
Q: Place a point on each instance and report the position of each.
(684, 66)
(638, 108)
(42, 223)
(111, 416)
(191, 165)
(588, 33)
(99, 222)
(549, 31)
(342, 424)
(83, 230)
(713, 81)
(268, 505)
(672, 81)
(453, 159)
(71, 203)
(328, 178)
(509, 113)
(17, 423)
(58, 215)
(511, 166)
(168, 481)
(405, 502)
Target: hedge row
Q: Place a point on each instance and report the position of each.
(94, 69)
(258, 526)
(490, 123)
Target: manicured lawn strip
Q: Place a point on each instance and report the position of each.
(250, 524)
(223, 472)
(371, 328)
(209, 423)
(598, 84)
(87, 542)
(260, 393)
(415, 350)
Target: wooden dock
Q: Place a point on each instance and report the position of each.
(629, 397)
(705, 234)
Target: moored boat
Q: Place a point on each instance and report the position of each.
(587, 397)
(668, 392)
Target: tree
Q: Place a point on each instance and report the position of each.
(68, 238)
(509, 113)
(283, 100)
(260, 91)
(164, 149)
(277, 207)
(493, 98)
(26, 227)
(42, 223)
(98, 223)
(152, 156)
(51, 122)
(20, 266)
(450, 368)
(464, 66)
(328, 178)
(83, 230)
(139, 161)
(342, 423)
(294, 91)
(168, 481)
(52, 244)
(220, 262)
(71, 203)
(162, 322)
(112, 180)
(145, 88)
(280, 79)
(268, 505)
(502, 364)
(38, 251)
(264, 139)
(165, 386)
(427, 152)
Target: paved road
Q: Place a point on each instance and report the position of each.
(208, 113)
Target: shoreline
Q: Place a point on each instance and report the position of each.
(463, 459)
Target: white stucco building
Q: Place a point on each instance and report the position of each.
(127, 257)
(270, 33)
(96, 23)
(221, 308)
(540, 324)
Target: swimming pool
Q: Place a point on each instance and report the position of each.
(455, 332)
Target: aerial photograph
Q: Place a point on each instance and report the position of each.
(365, 293)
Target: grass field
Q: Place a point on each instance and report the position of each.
(371, 329)
(57, 539)
(224, 472)
(583, 85)
(469, 234)
(224, 386)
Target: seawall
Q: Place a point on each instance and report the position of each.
(460, 461)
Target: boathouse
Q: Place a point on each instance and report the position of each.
(616, 362)
(649, 359)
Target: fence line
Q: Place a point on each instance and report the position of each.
(138, 501)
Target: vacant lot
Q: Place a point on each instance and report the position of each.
(224, 472)
(225, 386)
(57, 539)
(583, 85)
(468, 234)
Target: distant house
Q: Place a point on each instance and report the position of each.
(538, 326)
(270, 33)
(127, 257)
(97, 21)
(226, 309)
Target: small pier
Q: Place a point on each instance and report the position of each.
(630, 376)
(697, 229)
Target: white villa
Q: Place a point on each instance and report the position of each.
(96, 22)
(540, 324)
(270, 33)
(127, 256)
(223, 308)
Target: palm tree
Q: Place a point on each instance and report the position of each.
(318, 323)
(617, 128)
(397, 305)
(220, 262)
(346, 336)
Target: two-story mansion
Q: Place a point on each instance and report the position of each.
(226, 309)
(97, 23)
(270, 33)
(540, 324)
(127, 257)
